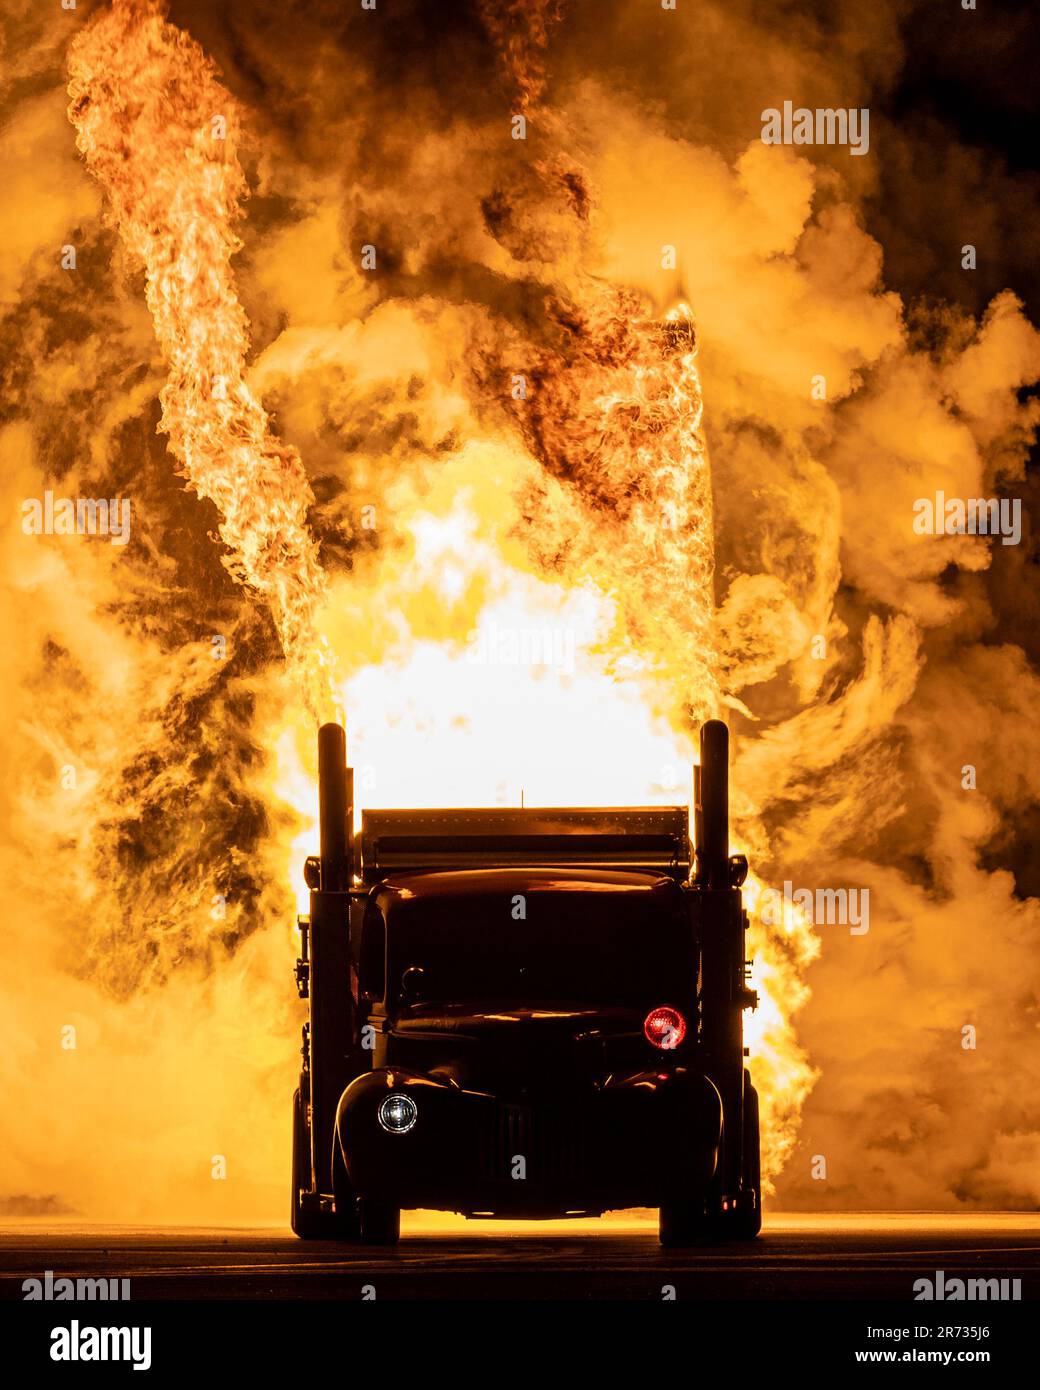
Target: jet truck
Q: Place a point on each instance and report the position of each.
(525, 1013)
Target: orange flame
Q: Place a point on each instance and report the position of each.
(160, 133)
(616, 417)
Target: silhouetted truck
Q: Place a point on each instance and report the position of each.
(525, 1013)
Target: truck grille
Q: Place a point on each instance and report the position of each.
(553, 1147)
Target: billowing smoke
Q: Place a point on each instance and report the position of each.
(479, 345)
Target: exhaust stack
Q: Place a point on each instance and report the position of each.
(335, 809)
(711, 807)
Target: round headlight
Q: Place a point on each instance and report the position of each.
(397, 1113)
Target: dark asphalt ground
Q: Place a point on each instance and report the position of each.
(829, 1257)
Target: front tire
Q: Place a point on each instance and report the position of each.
(380, 1222)
(683, 1223)
(348, 1223)
(308, 1224)
(743, 1220)
(361, 1218)
(747, 1220)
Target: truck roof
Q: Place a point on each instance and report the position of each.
(648, 839)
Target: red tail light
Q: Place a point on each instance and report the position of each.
(665, 1027)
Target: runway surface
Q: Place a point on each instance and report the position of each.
(834, 1256)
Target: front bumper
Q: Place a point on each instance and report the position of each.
(635, 1140)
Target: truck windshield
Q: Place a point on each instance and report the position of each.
(594, 949)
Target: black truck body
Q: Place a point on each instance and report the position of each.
(525, 1013)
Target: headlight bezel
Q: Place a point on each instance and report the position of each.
(401, 1123)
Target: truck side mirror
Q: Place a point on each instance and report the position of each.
(411, 984)
(738, 869)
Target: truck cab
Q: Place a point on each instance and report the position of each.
(524, 1013)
